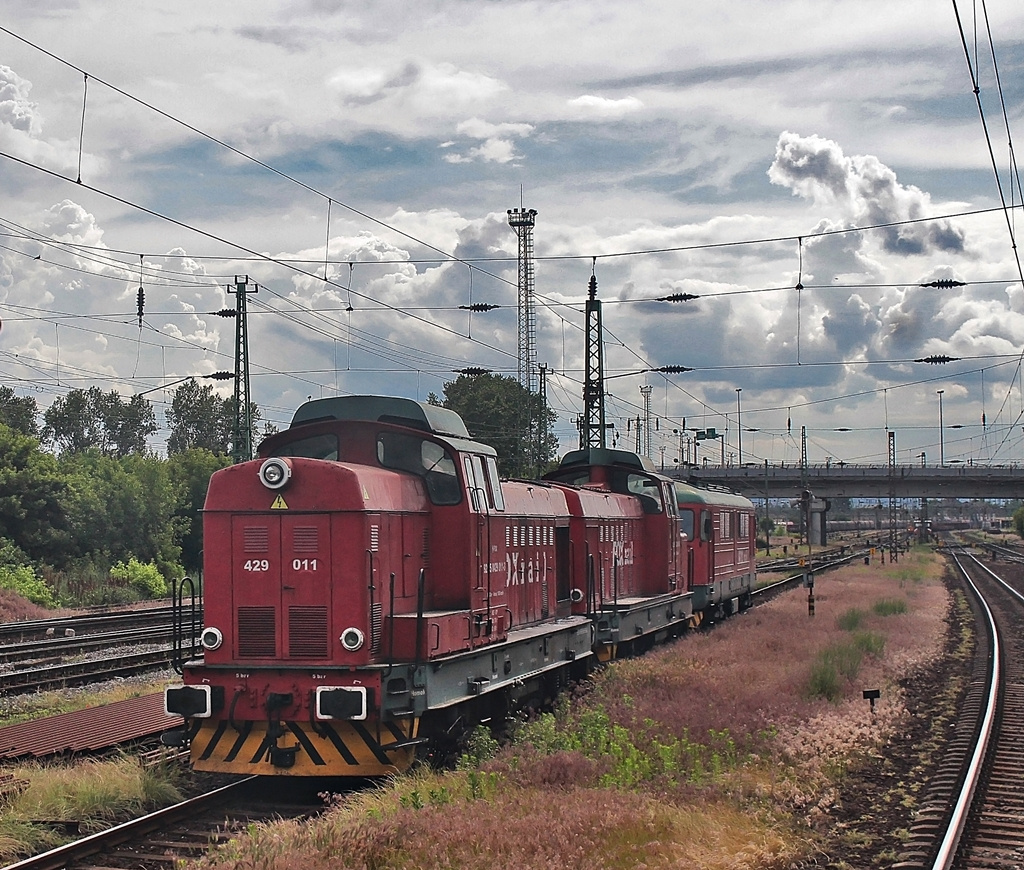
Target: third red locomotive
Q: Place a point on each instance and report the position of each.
(370, 583)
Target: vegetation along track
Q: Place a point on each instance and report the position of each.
(184, 831)
(973, 813)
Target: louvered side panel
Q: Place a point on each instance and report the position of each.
(376, 624)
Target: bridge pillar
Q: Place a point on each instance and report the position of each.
(816, 521)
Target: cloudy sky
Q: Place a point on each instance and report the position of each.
(731, 151)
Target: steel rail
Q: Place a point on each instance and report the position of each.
(60, 857)
(84, 623)
(961, 810)
(78, 673)
(30, 650)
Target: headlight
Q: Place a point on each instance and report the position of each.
(352, 639)
(275, 473)
(211, 638)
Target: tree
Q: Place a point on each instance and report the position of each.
(18, 412)
(32, 490)
(83, 419)
(501, 412)
(1018, 521)
(200, 419)
(190, 471)
(119, 507)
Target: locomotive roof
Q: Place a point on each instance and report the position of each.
(687, 493)
(433, 419)
(606, 456)
(386, 409)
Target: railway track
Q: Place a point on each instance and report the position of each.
(85, 623)
(972, 816)
(61, 652)
(184, 831)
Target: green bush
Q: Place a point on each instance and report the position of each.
(851, 620)
(824, 681)
(144, 577)
(840, 663)
(869, 642)
(889, 606)
(23, 580)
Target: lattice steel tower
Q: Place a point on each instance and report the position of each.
(592, 426)
(521, 220)
(242, 444)
(645, 442)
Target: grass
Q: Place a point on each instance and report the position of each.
(575, 827)
(710, 753)
(839, 664)
(850, 620)
(94, 793)
(889, 606)
(24, 708)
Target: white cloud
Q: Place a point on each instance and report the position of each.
(16, 110)
(592, 106)
(498, 145)
(641, 127)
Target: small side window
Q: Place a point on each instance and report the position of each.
(686, 523)
(494, 483)
(705, 526)
(472, 486)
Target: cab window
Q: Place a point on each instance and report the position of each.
(425, 458)
(318, 447)
(647, 489)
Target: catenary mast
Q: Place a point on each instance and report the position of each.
(521, 220)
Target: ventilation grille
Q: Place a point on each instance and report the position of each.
(257, 539)
(257, 634)
(426, 548)
(306, 539)
(376, 624)
(374, 538)
(307, 632)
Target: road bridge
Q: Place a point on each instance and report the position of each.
(863, 481)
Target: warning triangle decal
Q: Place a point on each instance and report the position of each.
(279, 504)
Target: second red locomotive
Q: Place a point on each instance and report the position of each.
(370, 583)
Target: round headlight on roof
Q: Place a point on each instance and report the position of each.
(275, 473)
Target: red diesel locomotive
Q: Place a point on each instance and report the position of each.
(370, 584)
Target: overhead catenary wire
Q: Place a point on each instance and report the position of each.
(632, 253)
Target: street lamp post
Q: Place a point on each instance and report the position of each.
(942, 446)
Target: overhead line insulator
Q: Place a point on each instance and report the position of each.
(937, 359)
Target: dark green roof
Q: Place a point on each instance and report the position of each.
(388, 409)
(606, 456)
(687, 493)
